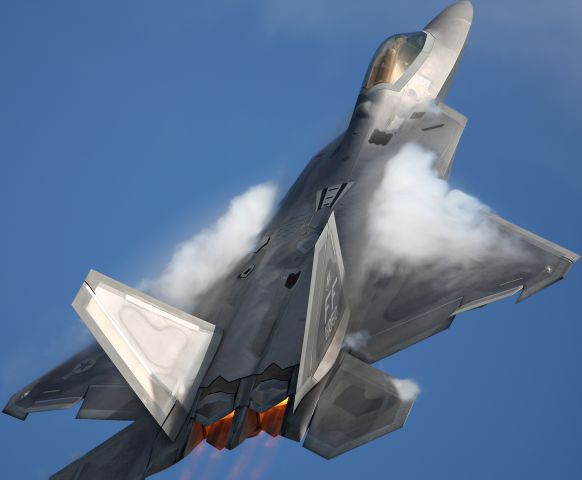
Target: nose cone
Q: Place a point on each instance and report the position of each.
(452, 25)
(459, 11)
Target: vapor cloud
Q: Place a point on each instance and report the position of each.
(357, 340)
(407, 389)
(209, 255)
(417, 220)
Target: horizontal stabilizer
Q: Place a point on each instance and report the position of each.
(162, 352)
(125, 456)
(358, 405)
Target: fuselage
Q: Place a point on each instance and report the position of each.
(285, 342)
(261, 306)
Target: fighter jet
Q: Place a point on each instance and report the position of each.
(264, 349)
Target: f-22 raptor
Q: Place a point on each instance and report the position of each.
(264, 349)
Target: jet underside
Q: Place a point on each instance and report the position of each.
(269, 346)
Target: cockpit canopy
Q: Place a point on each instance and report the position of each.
(394, 57)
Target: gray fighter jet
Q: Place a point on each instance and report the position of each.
(265, 349)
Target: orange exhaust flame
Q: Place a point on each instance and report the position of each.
(217, 433)
(196, 436)
(270, 421)
(252, 424)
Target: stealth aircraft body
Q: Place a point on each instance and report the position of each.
(264, 349)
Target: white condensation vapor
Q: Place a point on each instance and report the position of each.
(357, 340)
(407, 389)
(200, 262)
(416, 220)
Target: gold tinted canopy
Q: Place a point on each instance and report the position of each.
(394, 57)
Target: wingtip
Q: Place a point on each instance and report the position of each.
(558, 273)
(15, 412)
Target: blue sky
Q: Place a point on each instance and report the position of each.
(125, 127)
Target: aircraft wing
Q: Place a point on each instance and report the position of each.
(411, 305)
(88, 375)
(391, 311)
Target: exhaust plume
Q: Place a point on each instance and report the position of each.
(210, 254)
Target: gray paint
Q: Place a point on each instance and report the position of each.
(359, 404)
(263, 320)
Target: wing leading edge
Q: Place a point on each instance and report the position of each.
(413, 304)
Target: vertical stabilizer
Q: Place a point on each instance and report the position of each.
(327, 312)
(162, 352)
